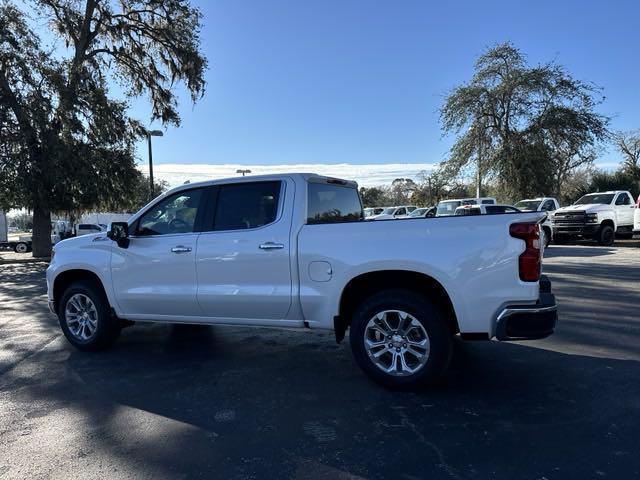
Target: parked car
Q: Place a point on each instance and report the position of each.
(372, 211)
(541, 204)
(448, 207)
(294, 251)
(87, 228)
(485, 209)
(598, 216)
(423, 212)
(390, 213)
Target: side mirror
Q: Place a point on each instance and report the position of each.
(119, 233)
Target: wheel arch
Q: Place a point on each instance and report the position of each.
(608, 222)
(67, 277)
(366, 284)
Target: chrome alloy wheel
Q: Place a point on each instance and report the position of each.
(396, 343)
(81, 316)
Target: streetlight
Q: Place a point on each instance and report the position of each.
(152, 133)
(480, 139)
(243, 171)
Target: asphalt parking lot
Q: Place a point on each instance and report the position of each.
(221, 402)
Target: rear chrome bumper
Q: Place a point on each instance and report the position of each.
(529, 322)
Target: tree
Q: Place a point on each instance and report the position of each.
(432, 188)
(67, 145)
(374, 196)
(628, 144)
(530, 127)
(618, 180)
(401, 190)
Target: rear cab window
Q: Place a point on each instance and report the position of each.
(332, 203)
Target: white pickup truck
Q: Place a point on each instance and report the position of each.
(294, 251)
(597, 216)
(541, 204)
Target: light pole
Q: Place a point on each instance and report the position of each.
(480, 139)
(152, 133)
(478, 176)
(243, 171)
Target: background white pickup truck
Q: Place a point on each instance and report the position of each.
(598, 216)
(294, 251)
(541, 204)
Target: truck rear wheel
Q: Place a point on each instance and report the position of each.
(606, 235)
(400, 339)
(21, 247)
(85, 317)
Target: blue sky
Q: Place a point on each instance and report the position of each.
(360, 82)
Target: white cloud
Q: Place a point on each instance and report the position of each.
(366, 175)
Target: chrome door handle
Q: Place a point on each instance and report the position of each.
(181, 249)
(271, 246)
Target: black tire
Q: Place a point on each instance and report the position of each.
(606, 235)
(108, 327)
(21, 247)
(547, 236)
(427, 314)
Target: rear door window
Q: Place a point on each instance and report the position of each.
(241, 206)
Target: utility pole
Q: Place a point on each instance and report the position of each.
(152, 133)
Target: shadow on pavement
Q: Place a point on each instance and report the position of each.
(181, 401)
(279, 404)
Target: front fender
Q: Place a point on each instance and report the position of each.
(93, 257)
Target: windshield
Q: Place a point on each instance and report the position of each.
(528, 205)
(418, 212)
(601, 198)
(447, 208)
(389, 211)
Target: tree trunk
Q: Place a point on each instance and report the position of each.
(41, 239)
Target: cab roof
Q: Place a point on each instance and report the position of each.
(306, 176)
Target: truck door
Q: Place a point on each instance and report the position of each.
(243, 260)
(624, 210)
(156, 275)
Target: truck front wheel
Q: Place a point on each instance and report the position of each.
(85, 317)
(400, 339)
(606, 235)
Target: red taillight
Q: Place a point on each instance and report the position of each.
(530, 261)
(638, 202)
